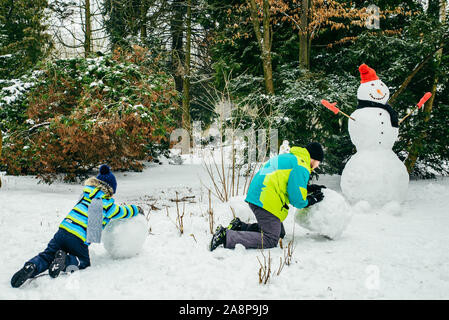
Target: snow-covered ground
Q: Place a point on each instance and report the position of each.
(383, 254)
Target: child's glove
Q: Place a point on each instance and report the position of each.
(312, 188)
(140, 210)
(314, 198)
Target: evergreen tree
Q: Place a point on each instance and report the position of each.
(23, 37)
(122, 20)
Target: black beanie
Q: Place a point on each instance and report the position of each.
(316, 151)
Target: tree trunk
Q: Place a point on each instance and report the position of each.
(87, 29)
(304, 41)
(143, 21)
(417, 144)
(410, 77)
(177, 34)
(264, 41)
(266, 53)
(186, 76)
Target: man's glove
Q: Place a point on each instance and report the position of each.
(140, 210)
(314, 198)
(312, 188)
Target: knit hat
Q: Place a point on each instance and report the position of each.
(316, 151)
(367, 74)
(107, 176)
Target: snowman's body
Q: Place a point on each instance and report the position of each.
(374, 174)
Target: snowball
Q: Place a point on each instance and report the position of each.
(376, 176)
(375, 91)
(124, 238)
(372, 129)
(329, 217)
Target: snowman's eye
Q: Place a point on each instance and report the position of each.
(372, 84)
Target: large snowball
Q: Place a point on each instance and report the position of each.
(372, 129)
(329, 217)
(376, 176)
(124, 238)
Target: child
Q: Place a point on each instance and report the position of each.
(282, 180)
(83, 225)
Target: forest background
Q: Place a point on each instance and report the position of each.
(93, 81)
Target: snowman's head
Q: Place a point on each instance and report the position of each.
(371, 88)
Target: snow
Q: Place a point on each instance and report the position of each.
(380, 255)
(13, 92)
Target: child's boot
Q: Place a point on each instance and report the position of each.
(218, 238)
(23, 274)
(58, 264)
(235, 224)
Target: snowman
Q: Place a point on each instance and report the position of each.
(374, 174)
(285, 147)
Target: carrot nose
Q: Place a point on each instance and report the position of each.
(379, 92)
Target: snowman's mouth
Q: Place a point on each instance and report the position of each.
(377, 98)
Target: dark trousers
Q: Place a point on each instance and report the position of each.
(77, 252)
(263, 234)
